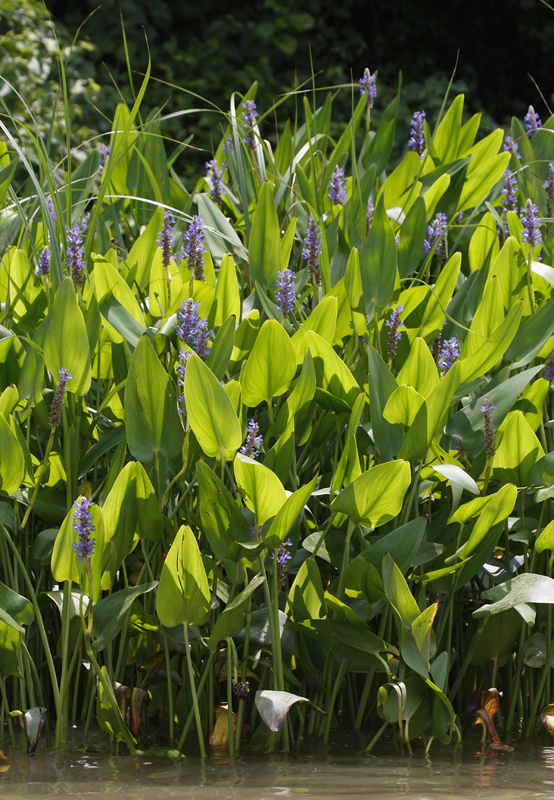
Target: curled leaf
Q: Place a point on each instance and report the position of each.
(274, 707)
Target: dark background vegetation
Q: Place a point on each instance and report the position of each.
(215, 47)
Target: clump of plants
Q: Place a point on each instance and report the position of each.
(276, 454)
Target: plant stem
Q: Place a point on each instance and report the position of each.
(38, 617)
(188, 723)
(169, 692)
(193, 693)
(230, 733)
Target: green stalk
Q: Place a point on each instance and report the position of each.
(29, 663)
(376, 738)
(271, 620)
(6, 706)
(240, 712)
(376, 336)
(340, 675)
(67, 455)
(60, 721)
(530, 279)
(188, 723)
(277, 645)
(193, 692)
(468, 658)
(369, 677)
(517, 681)
(125, 733)
(230, 699)
(169, 692)
(39, 478)
(345, 557)
(39, 621)
(539, 691)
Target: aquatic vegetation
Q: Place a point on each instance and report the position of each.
(280, 457)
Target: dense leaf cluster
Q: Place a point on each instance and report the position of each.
(321, 507)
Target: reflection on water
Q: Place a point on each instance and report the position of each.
(337, 772)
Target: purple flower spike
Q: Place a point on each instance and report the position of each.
(549, 371)
(549, 186)
(509, 192)
(52, 210)
(104, 153)
(368, 87)
(203, 336)
(227, 146)
(74, 254)
(253, 440)
(337, 187)
(43, 263)
(194, 332)
(532, 122)
(285, 298)
(55, 417)
(165, 237)
(283, 557)
(83, 525)
(312, 249)
(417, 136)
(188, 320)
(448, 354)
(181, 367)
(249, 116)
(531, 224)
(215, 178)
(394, 323)
(435, 233)
(195, 248)
(369, 214)
(511, 147)
(490, 444)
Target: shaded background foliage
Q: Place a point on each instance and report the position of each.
(213, 48)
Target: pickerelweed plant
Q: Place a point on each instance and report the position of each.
(280, 447)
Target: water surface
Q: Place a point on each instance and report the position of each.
(336, 772)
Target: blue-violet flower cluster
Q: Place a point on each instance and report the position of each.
(43, 263)
(511, 147)
(417, 136)
(337, 187)
(83, 525)
(55, 416)
(284, 297)
(52, 210)
(509, 192)
(449, 353)
(75, 254)
(549, 371)
(312, 249)
(435, 233)
(369, 213)
(165, 237)
(549, 186)
(531, 232)
(283, 557)
(249, 115)
(532, 122)
(215, 177)
(253, 440)
(394, 323)
(193, 331)
(195, 247)
(490, 445)
(104, 153)
(368, 87)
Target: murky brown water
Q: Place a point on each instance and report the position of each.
(336, 772)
